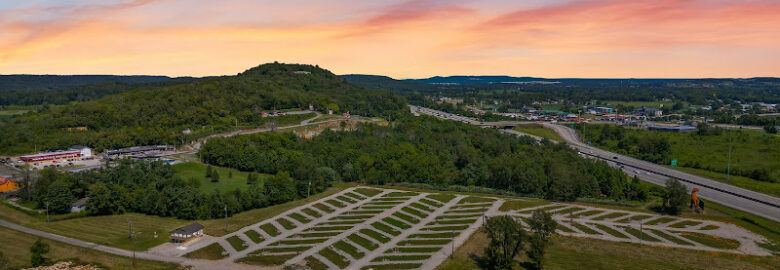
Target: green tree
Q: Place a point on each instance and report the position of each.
(280, 188)
(676, 197)
(543, 226)
(506, 241)
(37, 250)
(59, 197)
(770, 128)
(100, 201)
(251, 178)
(214, 176)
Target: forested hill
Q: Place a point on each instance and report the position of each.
(55, 82)
(211, 105)
(387, 83)
(81, 92)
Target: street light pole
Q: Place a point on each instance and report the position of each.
(226, 218)
(47, 211)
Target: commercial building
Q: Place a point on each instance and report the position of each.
(672, 128)
(187, 233)
(76, 151)
(152, 150)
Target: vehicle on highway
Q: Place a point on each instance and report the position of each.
(615, 157)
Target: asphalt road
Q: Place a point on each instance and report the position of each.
(749, 201)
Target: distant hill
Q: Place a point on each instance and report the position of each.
(210, 105)
(56, 82)
(81, 92)
(478, 79)
(387, 83)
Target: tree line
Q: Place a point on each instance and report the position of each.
(427, 150)
(153, 188)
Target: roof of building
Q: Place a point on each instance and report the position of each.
(189, 229)
(676, 128)
(4, 180)
(81, 202)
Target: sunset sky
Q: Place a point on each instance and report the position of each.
(401, 39)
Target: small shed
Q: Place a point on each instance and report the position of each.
(79, 205)
(186, 233)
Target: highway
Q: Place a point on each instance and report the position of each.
(749, 201)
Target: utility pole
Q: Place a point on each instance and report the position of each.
(728, 167)
(226, 218)
(308, 191)
(47, 211)
(130, 229)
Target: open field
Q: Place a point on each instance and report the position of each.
(736, 180)
(539, 130)
(197, 170)
(113, 230)
(106, 230)
(15, 247)
(754, 154)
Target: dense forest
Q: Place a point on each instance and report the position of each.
(206, 106)
(60, 82)
(79, 93)
(522, 91)
(153, 188)
(431, 151)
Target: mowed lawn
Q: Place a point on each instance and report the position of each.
(197, 170)
(106, 230)
(581, 253)
(539, 130)
(15, 247)
(114, 230)
(708, 156)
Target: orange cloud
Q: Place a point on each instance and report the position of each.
(653, 38)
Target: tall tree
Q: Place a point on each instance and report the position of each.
(676, 197)
(543, 226)
(506, 241)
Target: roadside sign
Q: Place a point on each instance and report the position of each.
(588, 142)
(674, 162)
(572, 125)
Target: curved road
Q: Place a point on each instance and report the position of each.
(749, 201)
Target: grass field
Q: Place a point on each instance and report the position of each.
(754, 154)
(539, 130)
(113, 230)
(736, 180)
(15, 247)
(210, 252)
(106, 230)
(580, 253)
(197, 170)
